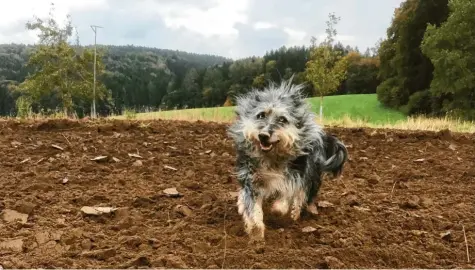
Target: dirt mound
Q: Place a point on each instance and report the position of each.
(404, 200)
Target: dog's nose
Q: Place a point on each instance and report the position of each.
(264, 137)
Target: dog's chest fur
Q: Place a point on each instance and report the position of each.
(274, 180)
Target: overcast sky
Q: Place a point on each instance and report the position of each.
(231, 28)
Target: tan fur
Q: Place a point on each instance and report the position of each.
(250, 130)
(298, 202)
(281, 206)
(253, 224)
(287, 138)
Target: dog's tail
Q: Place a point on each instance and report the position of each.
(336, 154)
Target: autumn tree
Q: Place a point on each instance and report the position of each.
(59, 68)
(327, 67)
(451, 49)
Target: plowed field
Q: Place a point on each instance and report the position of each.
(405, 200)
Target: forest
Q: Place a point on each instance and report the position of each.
(424, 65)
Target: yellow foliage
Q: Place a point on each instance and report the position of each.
(228, 102)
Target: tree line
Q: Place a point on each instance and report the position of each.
(427, 61)
(425, 65)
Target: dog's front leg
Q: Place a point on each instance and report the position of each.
(250, 207)
(297, 204)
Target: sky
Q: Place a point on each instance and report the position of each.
(230, 28)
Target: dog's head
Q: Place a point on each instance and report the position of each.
(274, 122)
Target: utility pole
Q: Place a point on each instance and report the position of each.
(94, 28)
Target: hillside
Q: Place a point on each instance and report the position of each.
(131, 71)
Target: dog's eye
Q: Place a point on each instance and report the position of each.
(283, 120)
(261, 115)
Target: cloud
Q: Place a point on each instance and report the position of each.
(295, 37)
(224, 27)
(263, 25)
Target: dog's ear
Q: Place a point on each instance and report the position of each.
(336, 155)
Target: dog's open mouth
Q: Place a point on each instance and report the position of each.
(266, 147)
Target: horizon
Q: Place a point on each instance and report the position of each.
(233, 30)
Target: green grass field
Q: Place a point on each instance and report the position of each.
(363, 107)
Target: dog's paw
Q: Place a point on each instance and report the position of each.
(312, 209)
(281, 207)
(258, 244)
(295, 214)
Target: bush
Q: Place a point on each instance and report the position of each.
(419, 103)
(23, 106)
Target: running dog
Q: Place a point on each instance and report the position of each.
(281, 153)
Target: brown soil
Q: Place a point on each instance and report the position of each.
(403, 201)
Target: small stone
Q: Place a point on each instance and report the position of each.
(9, 215)
(97, 210)
(361, 209)
(308, 229)
(137, 163)
(184, 210)
(172, 192)
(325, 204)
(420, 160)
(446, 235)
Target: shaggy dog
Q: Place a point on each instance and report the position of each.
(281, 153)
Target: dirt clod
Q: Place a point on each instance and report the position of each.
(15, 245)
(102, 254)
(9, 215)
(25, 207)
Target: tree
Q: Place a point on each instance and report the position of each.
(451, 49)
(327, 67)
(60, 68)
(404, 69)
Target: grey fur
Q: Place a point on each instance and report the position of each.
(279, 119)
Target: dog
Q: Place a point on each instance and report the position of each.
(281, 153)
